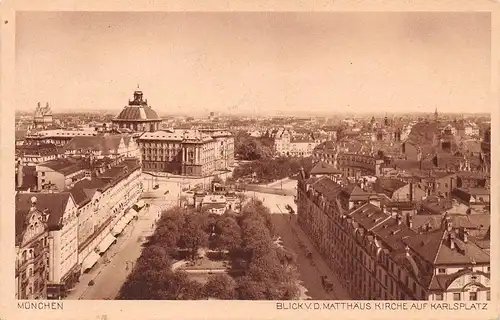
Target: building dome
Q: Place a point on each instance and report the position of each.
(138, 115)
(138, 110)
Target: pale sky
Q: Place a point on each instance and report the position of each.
(255, 62)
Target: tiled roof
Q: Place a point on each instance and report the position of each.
(20, 134)
(106, 144)
(392, 233)
(427, 245)
(369, 216)
(324, 168)
(355, 193)
(137, 113)
(54, 203)
(466, 194)
(423, 133)
(327, 187)
(388, 185)
(83, 190)
(177, 135)
(480, 222)
(37, 150)
(64, 166)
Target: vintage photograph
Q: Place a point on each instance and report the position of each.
(252, 156)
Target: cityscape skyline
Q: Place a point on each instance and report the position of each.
(442, 61)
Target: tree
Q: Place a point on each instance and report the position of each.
(267, 268)
(252, 148)
(145, 284)
(228, 234)
(154, 257)
(192, 235)
(249, 289)
(256, 238)
(220, 286)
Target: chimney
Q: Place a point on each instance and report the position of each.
(20, 174)
(399, 218)
(411, 191)
(448, 225)
(464, 233)
(302, 173)
(410, 221)
(451, 237)
(33, 202)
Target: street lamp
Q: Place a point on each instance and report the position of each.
(127, 264)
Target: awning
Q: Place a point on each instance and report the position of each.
(132, 212)
(106, 243)
(118, 228)
(90, 261)
(140, 204)
(126, 218)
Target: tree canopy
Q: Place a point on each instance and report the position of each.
(272, 169)
(265, 272)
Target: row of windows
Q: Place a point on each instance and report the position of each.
(359, 254)
(458, 296)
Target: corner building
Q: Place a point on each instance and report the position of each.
(378, 256)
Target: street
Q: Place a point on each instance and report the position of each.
(292, 235)
(112, 269)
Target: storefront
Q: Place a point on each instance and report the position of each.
(58, 291)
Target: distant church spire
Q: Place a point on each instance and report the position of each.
(436, 114)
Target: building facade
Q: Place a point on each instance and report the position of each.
(101, 146)
(186, 152)
(377, 256)
(57, 137)
(32, 253)
(83, 210)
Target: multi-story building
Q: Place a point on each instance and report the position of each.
(186, 152)
(378, 256)
(31, 155)
(224, 143)
(101, 146)
(60, 174)
(62, 229)
(357, 165)
(103, 204)
(138, 115)
(56, 137)
(467, 128)
(287, 143)
(86, 205)
(32, 252)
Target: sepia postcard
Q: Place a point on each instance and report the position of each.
(278, 159)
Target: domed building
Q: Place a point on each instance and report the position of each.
(138, 115)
